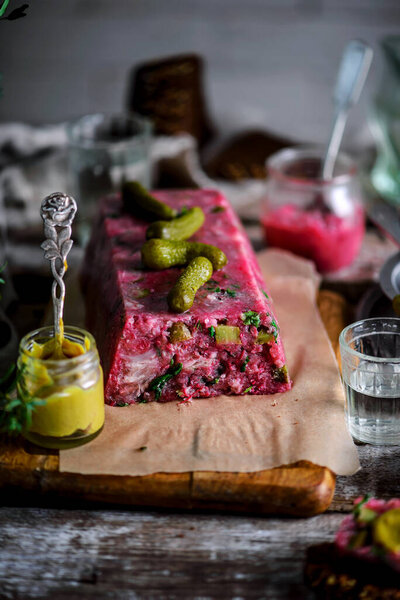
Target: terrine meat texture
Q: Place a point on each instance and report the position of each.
(228, 342)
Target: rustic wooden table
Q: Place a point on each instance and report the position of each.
(76, 551)
(71, 550)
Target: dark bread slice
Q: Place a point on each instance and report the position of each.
(244, 156)
(334, 576)
(170, 91)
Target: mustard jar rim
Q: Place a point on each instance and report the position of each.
(48, 332)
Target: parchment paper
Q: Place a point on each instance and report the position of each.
(240, 433)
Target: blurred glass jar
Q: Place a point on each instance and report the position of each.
(385, 123)
(70, 390)
(105, 151)
(317, 219)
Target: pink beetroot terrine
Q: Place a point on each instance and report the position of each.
(127, 312)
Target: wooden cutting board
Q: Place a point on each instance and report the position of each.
(301, 489)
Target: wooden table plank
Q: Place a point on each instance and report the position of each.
(379, 476)
(47, 553)
(301, 489)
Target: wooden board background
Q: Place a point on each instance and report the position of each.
(301, 489)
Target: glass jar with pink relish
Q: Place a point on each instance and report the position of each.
(322, 220)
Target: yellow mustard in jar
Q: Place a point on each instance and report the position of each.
(69, 381)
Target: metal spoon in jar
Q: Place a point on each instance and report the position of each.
(58, 212)
(353, 71)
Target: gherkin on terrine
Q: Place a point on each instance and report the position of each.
(228, 342)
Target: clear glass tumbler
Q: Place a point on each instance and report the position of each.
(105, 151)
(370, 352)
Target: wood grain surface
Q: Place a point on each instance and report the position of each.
(53, 548)
(102, 554)
(301, 489)
(60, 554)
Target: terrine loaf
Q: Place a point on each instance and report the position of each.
(228, 342)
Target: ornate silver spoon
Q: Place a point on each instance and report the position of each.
(58, 211)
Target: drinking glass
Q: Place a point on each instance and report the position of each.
(370, 352)
(105, 151)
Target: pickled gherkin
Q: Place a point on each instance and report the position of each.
(179, 228)
(181, 296)
(227, 334)
(179, 332)
(140, 202)
(163, 254)
(264, 336)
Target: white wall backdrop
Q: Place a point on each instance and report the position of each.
(269, 63)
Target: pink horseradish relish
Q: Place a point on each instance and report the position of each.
(319, 219)
(332, 242)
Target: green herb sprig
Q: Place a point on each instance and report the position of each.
(244, 364)
(17, 13)
(15, 410)
(275, 330)
(158, 383)
(250, 317)
(219, 290)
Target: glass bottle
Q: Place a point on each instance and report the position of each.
(385, 123)
(322, 220)
(70, 389)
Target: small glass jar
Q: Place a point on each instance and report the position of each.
(71, 389)
(322, 220)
